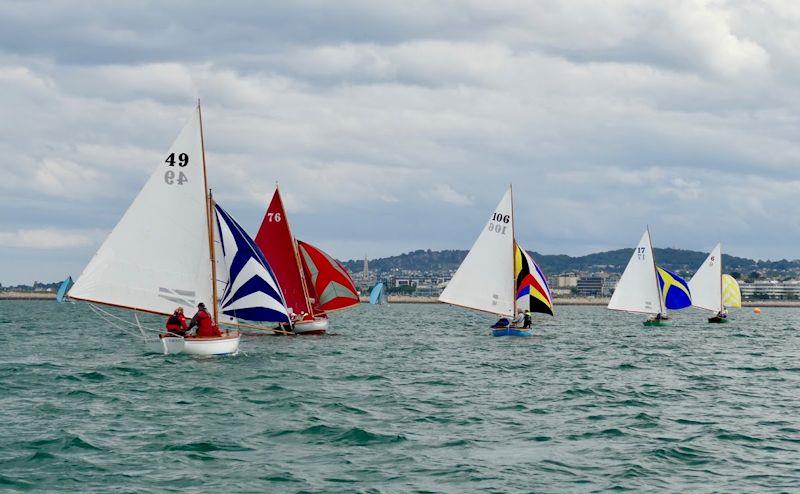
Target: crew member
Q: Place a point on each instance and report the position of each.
(205, 325)
(176, 323)
(519, 321)
(527, 320)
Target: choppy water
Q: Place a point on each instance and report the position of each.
(408, 398)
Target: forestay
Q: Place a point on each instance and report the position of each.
(706, 284)
(638, 288)
(485, 279)
(157, 257)
(252, 292)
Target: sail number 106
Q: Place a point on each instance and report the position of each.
(499, 227)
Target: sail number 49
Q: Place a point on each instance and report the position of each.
(499, 218)
(170, 177)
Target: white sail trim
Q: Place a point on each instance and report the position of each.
(485, 279)
(706, 284)
(158, 252)
(637, 290)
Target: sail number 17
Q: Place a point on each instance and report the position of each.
(499, 227)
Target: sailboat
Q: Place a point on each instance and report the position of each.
(313, 283)
(61, 295)
(378, 295)
(163, 254)
(714, 291)
(498, 276)
(648, 289)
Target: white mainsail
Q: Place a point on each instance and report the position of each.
(485, 279)
(706, 284)
(638, 288)
(157, 257)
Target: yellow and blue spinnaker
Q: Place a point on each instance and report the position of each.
(674, 289)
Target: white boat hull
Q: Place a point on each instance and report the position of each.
(226, 344)
(317, 326)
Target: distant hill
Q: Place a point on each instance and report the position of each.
(613, 261)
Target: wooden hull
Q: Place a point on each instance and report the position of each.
(510, 332)
(317, 326)
(227, 344)
(657, 323)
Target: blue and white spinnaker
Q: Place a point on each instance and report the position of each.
(252, 291)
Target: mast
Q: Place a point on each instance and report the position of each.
(295, 249)
(721, 271)
(655, 268)
(513, 258)
(210, 223)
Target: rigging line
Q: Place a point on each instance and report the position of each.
(107, 316)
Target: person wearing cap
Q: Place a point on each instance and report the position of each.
(205, 325)
(176, 323)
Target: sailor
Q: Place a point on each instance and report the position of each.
(176, 323)
(527, 320)
(205, 325)
(519, 321)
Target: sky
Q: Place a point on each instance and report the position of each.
(394, 126)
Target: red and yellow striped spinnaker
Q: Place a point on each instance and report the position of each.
(532, 290)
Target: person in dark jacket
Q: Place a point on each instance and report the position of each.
(205, 325)
(176, 323)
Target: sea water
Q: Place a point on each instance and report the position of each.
(405, 398)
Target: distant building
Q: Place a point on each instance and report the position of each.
(771, 289)
(565, 281)
(591, 286)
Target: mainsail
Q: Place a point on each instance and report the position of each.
(485, 279)
(252, 292)
(157, 257)
(638, 290)
(327, 279)
(533, 292)
(275, 240)
(61, 295)
(706, 284)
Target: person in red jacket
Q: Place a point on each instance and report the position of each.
(205, 325)
(176, 324)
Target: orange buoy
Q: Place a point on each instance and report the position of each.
(756, 311)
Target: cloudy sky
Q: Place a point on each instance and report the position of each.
(393, 126)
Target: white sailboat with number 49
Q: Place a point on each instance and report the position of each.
(499, 277)
(175, 247)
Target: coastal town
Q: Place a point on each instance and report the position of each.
(419, 280)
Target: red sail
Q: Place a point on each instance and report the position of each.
(328, 281)
(275, 240)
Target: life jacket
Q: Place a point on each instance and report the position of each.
(205, 326)
(176, 322)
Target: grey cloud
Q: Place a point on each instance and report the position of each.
(397, 126)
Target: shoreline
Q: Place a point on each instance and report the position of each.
(404, 299)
